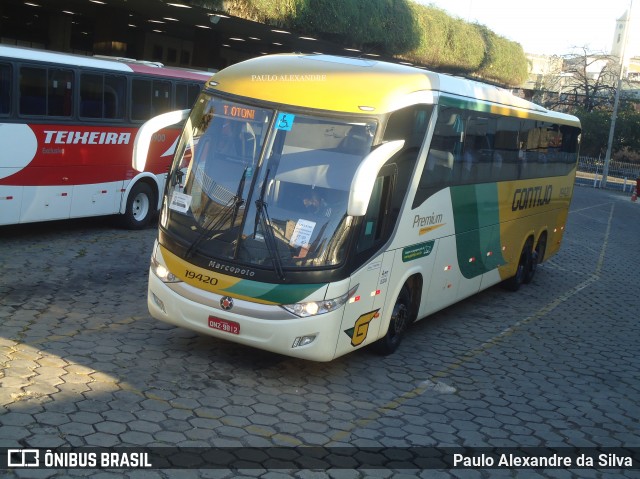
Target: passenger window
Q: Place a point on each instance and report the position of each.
(102, 96)
(444, 151)
(161, 100)
(186, 95)
(33, 91)
(115, 94)
(60, 92)
(46, 92)
(141, 100)
(91, 90)
(5, 89)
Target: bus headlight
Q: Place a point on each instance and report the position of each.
(312, 308)
(162, 272)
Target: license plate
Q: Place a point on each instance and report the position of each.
(224, 325)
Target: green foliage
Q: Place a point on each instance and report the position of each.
(627, 155)
(421, 34)
(446, 43)
(384, 26)
(504, 60)
(627, 134)
(595, 133)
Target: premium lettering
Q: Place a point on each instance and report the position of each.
(421, 221)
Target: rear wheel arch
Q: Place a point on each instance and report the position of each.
(141, 204)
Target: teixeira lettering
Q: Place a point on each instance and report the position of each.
(65, 137)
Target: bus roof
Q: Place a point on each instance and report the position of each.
(357, 85)
(125, 65)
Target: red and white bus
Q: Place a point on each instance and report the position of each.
(67, 126)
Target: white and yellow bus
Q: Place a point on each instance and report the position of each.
(318, 204)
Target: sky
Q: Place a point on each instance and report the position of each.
(549, 27)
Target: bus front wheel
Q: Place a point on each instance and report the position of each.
(139, 209)
(400, 320)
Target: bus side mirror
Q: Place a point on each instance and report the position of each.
(145, 133)
(365, 176)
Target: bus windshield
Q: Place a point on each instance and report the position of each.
(263, 187)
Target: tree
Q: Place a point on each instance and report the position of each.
(588, 82)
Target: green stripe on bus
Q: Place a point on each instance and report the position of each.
(464, 104)
(274, 293)
(477, 224)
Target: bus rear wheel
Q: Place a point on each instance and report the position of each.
(139, 207)
(400, 320)
(523, 269)
(537, 257)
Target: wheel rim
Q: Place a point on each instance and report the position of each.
(398, 321)
(140, 206)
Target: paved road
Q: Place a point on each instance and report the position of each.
(555, 364)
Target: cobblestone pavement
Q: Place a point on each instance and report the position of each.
(555, 364)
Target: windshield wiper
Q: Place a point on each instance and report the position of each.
(230, 210)
(262, 216)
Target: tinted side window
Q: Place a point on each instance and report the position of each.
(59, 92)
(102, 96)
(141, 100)
(5, 89)
(115, 95)
(91, 91)
(446, 146)
(46, 92)
(161, 100)
(409, 124)
(186, 94)
(475, 147)
(33, 91)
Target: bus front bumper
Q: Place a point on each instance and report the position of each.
(283, 336)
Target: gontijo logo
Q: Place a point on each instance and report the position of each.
(359, 331)
(524, 198)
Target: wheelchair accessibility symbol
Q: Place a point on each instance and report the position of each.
(284, 121)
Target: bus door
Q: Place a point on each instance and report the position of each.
(364, 311)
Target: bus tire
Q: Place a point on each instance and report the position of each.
(536, 258)
(140, 206)
(524, 266)
(400, 320)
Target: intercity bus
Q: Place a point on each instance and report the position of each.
(318, 204)
(67, 126)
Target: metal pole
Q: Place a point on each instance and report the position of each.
(616, 101)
